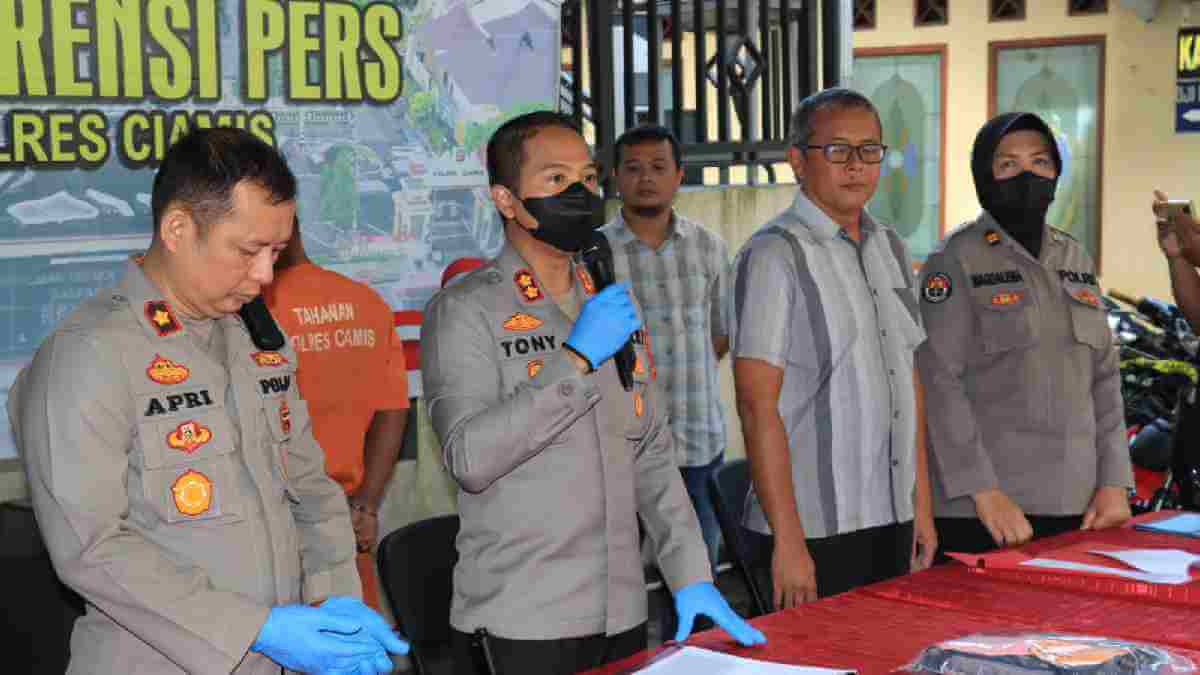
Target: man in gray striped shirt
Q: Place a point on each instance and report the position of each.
(825, 324)
(679, 272)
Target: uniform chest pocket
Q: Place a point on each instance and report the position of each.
(1005, 321)
(1089, 322)
(189, 471)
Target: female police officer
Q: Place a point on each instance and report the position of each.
(1026, 428)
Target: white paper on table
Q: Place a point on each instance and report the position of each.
(1170, 579)
(691, 660)
(1169, 561)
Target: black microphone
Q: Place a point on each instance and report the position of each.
(597, 256)
(262, 327)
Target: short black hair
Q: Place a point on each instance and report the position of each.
(800, 131)
(201, 169)
(648, 133)
(506, 147)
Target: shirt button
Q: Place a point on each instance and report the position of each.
(883, 333)
(891, 371)
(896, 415)
(895, 462)
(566, 389)
(874, 292)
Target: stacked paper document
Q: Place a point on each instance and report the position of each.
(691, 660)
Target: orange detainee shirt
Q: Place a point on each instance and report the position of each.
(351, 359)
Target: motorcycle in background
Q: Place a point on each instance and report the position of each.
(1158, 351)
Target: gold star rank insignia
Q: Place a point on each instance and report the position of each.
(161, 318)
(527, 285)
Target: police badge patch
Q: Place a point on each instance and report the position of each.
(937, 288)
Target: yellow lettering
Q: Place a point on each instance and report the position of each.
(92, 126)
(1186, 62)
(384, 75)
(262, 125)
(170, 75)
(22, 41)
(28, 131)
(262, 30)
(66, 37)
(300, 45)
(135, 128)
(119, 31)
(179, 126)
(343, 32)
(61, 137)
(204, 50)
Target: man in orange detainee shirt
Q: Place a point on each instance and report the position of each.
(353, 375)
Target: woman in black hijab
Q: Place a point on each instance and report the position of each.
(1026, 424)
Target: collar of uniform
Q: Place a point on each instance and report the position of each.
(140, 292)
(618, 230)
(509, 263)
(986, 222)
(809, 216)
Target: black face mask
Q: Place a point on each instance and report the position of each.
(565, 220)
(1019, 203)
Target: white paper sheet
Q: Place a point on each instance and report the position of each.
(1170, 579)
(1169, 561)
(691, 660)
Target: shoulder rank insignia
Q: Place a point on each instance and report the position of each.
(937, 288)
(527, 285)
(189, 436)
(585, 280)
(165, 371)
(161, 318)
(533, 368)
(521, 322)
(1007, 298)
(269, 359)
(193, 493)
(992, 237)
(285, 417)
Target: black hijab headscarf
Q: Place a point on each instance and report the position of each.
(1019, 204)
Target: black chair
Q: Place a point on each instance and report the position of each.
(37, 612)
(416, 568)
(727, 487)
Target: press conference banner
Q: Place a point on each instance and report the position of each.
(381, 107)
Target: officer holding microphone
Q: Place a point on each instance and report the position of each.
(554, 458)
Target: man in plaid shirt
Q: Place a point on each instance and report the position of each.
(679, 272)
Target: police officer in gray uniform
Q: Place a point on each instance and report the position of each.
(1026, 425)
(554, 459)
(169, 454)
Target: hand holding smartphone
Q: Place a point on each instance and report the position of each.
(1170, 210)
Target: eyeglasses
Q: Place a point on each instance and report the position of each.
(839, 153)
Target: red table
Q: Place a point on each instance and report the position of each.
(879, 628)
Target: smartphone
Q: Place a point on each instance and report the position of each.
(1174, 207)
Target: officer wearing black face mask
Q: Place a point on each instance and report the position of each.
(1026, 429)
(554, 459)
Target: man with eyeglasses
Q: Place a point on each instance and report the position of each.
(824, 325)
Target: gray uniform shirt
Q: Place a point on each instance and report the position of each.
(179, 489)
(840, 319)
(553, 466)
(1020, 372)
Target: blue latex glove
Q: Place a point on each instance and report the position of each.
(604, 325)
(315, 640)
(703, 597)
(355, 610)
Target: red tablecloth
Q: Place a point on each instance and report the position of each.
(879, 628)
